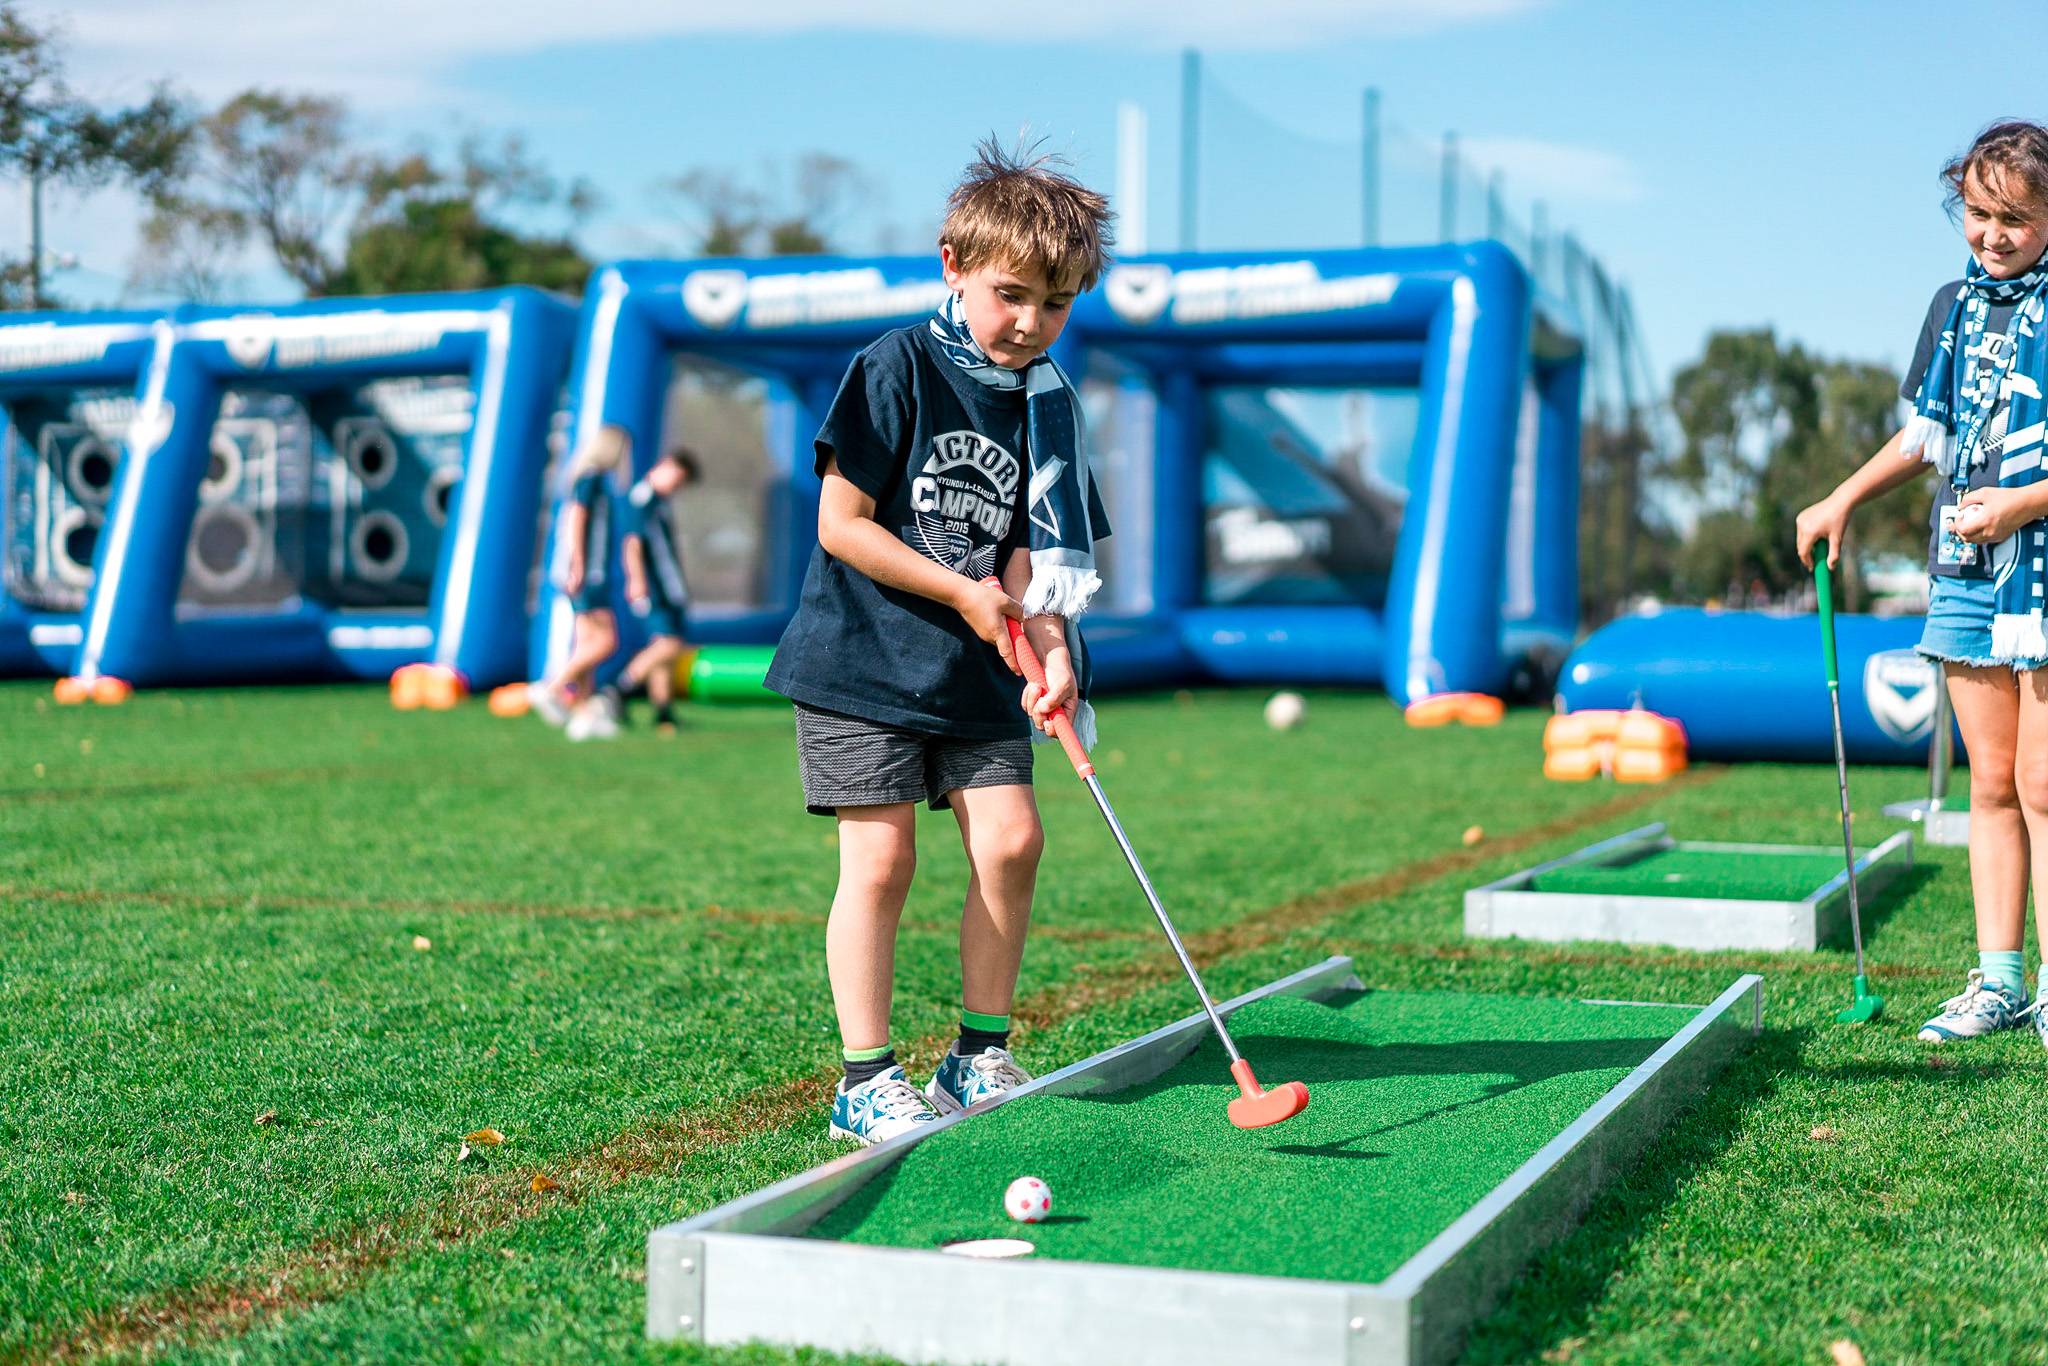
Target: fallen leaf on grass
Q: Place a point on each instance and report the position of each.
(1565, 1351)
(1824, 1133)
(85, 746)
(74, 1197)
(422, 943)
(1938, 1060)
(466, 1153)
(1845, 1353)
(508, 1254)
(543, 1184)
(485, 1138)
(267, 1117)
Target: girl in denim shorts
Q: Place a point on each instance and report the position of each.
(1977, 384)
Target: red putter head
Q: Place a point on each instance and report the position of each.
(1257, 1108)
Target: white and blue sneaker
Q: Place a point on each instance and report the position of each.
(1980, 1009)
(883, 1107)
(547, 704)
(961, 1082)
(2039, 1010)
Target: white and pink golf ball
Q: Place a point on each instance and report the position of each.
(1028, 1200)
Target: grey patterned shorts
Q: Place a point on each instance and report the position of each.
(848, 761)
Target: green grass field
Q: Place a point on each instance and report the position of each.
(1702, 872)
(233, 1091)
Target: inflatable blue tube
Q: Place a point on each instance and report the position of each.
(1751, 685)
(81, 371)
(511, 345)
(1453, 320)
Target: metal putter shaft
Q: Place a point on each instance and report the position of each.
(1868, 1005)
(1255, 1107)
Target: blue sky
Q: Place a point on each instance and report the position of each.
(1737, 164)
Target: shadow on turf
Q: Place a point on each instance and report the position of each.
(1314, 1062)
(1552, 1298)
(1875, 913)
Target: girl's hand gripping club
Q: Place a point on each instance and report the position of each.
(1255, 1107)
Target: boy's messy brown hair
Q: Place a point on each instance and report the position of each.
(2009, 161)
(1017, 210)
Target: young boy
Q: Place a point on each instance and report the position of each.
(952, 453)
(655, 590)
(583, 553)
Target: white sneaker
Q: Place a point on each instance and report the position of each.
(2039, 1010)
(883, 1107)
(547, 704)
(1979, 1010)
(961, 1082)
(593, 719)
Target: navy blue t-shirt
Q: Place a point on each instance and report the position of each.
(945, 460)
(592, 491)
(648, 516)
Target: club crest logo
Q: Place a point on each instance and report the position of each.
(1898, 690)
(248, 341)
(715, 297)
(1139, 294)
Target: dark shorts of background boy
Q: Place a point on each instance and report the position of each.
(660, 617)
(850, 761)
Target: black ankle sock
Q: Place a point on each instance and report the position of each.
(866, 1068)
(663, 716)
(973, 1040)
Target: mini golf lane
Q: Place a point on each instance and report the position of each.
(1448, 1138)
(1419, 1104)
(1645, 887)
(1789, 876)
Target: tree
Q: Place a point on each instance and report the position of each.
(285, 171)
(51, 136)
(1769, 428)
(795, 213)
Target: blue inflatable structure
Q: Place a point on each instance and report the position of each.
(1751, 685)
(67, 389)
(1341, 467)
(287, 478)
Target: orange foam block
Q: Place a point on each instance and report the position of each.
(70, 692)
(1465, 708)
(111, 692)
(510, 700)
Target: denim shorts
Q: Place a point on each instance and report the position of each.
(1958, 629)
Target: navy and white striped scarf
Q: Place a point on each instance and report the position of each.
(1965, 378)
(1063, 577)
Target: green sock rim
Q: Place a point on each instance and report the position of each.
(987, 1024)
(866, 1054)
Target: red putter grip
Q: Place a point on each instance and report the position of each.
(1062, 726)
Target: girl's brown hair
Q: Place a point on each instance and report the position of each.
(1017, 210)
(2009, 161)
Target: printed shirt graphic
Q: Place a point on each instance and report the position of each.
(1997, 321)
(944, 458)
(962, 502)
(650, 516)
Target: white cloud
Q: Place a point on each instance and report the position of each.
(1556, 170)
(396, 53)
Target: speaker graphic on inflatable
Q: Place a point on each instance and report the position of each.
(232, 557)
(390, 473)
(62, 454)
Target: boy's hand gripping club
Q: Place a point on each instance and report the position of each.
(1255, 1106)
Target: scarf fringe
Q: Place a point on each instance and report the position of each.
(1928, 440)
(1082, 713)
(1059, 590)
(2018, 635)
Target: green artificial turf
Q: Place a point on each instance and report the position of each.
(1718, 874)
(1419, 1104)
